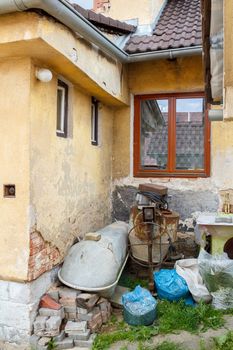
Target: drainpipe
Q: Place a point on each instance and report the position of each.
(66, 14)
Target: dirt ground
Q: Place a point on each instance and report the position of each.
(187, 340)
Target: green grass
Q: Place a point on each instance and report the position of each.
(177, 316)
(131, 282)
(166, 345)
(171, 318)
(131, 334)
(224, 342)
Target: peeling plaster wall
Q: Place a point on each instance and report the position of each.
(56, 46)
(70, 179)
(14, 169)
(188, 196)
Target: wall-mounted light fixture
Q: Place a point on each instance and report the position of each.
(44, 75)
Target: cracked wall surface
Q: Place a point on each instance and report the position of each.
(70, 179)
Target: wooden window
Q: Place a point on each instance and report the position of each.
(94, 121)
(62, 108)
(171, 136)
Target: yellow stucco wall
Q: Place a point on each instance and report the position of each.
(70, 179)
(14, 157)
(145, 10)
(63, 186)
(55, 46)
(181, 75)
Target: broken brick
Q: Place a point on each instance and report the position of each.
(49, 303)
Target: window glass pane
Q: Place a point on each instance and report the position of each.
(60, 108)
(154, 133)
(92, 122)
(190, 133)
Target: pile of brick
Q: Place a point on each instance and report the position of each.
(68, 318)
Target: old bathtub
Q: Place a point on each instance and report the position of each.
(96, 266)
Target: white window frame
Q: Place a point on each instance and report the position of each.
(63, 113)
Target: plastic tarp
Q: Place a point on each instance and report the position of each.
(217, 273)
(189, 270)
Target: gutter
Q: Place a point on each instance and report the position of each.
(66, 14)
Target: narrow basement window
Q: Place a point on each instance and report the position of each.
(94, 121)
(62, 108)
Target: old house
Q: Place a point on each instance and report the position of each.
(79, 92)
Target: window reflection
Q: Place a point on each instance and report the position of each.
(190, 133)
(154, 133)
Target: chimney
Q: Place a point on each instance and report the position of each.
(101, 6)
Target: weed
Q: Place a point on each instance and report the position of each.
(178, 316)
(51, 344)
(202, 345)
(131, 282)
(131, 334)
(224, 342)
(169, 346)
(166, 345)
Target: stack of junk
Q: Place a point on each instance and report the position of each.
(68, 318)
(164, 228)
(73, 311)
(71, 315)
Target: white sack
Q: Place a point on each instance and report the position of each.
(188, 269)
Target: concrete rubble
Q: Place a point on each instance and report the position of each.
(69, 318)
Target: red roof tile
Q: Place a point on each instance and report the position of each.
(105, 23)
(178, 26)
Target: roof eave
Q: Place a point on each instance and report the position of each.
(66, 14)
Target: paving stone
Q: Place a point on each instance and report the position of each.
(81, 310)
(96, 322)
(85, 343)
(43, 341)
(66, 292)
(72, 315)
(105, 316)
(50, 312)
(80, 335)
(53, 323)
(96, 310)
(87, 317)
(60, 336)
(66, 343)
(87, 300)
(34, 340)
(54, 295)
(39, 325)
(76, 326)
(68, 302)
(49, 303)
(70, 309)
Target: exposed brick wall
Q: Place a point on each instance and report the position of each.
(43, 256)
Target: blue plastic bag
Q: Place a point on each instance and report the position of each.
(139, 307)
(170, 285)
(139, 301)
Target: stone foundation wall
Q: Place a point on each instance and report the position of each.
(18, 306)
(186, 202)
